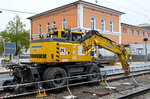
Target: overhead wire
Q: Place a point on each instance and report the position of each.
(137, 5)
(17, 11)
(27, 12)
(142, 14)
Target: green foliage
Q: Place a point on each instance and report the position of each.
(15, 32)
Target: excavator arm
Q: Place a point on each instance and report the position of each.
(94, 38)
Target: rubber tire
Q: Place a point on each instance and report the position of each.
(7, 82)
(50, 74)
(92, 70)
(19, 89)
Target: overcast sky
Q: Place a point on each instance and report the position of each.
(137, 11)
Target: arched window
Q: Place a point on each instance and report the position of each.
(64, 24)
(143, 34)
(54, 24)
(147, 34)
(92, 23)
(131, 31)
(111, 26)
(40, 29)
(102, 24)
(47, 27)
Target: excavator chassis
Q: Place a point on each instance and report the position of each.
(42, 72)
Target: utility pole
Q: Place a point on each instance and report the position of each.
(145, 40)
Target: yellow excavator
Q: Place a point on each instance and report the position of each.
(66, 53)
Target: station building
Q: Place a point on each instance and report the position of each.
(83, 16)
(133, 34)
(79, 16)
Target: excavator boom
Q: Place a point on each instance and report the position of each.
(93, 37)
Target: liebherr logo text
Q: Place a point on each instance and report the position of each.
(36, 46)
(38, 55)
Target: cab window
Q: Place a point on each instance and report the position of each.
(76, 37)
(55, 34)
(62, 34)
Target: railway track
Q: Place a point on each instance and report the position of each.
(135, 94)
(113, 75)
(109, 79)
(122, 76)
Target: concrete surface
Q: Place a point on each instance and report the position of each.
(117, 69)
(3, 70)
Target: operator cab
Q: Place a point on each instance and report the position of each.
(76, 36)
(68, 35)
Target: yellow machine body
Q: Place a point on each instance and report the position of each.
(50, 52)
(59, 49)
(62, 54)
(57, 52)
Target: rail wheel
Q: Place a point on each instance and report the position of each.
(6, 83)
(95, 73)
(55, 73)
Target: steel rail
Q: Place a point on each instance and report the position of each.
(74, 84)
(113, 78)
(135, 94)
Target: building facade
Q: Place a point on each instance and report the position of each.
(78, 16)
(133, 34)
(138, 51)
(83, 16)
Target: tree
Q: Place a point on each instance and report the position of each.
(15, 32)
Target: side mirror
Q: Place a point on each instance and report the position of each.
(69, 34)
(48, 30)
(47, 35)
(40, 36)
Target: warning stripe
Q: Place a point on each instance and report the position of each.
(57, 52)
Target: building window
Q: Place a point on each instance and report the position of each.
(92, 23)
(111, 26)
(47, 27)
(147, 34)
(143, 34)
(124, 30)
(137, 33)
(64, 24)
(40, 29)
(54, 24)
(102, 24)
(139, 51)
(131, 32)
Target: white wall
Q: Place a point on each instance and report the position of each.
(139, 49)
(105, 52)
